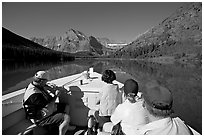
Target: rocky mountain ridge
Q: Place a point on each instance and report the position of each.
(74, 41)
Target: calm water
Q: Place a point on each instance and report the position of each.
(184, 80)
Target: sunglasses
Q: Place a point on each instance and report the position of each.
(42, 79)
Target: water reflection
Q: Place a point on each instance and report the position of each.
(184, 80)
(17, 75)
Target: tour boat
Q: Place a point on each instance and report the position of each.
(80, 92)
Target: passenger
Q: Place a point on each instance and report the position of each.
(40, 105)
(109, 98)
(130, 113)
(158, 105)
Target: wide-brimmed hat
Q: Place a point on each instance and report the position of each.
(157, 96)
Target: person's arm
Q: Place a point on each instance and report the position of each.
(121, 90)
(51, 87)
(51, 106)
(47, 107)
(99, 98)
(40, 103)
(119, 96)
(116, 117)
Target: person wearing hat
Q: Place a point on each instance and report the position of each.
(130, 113)
(157, 102)
(40, 104)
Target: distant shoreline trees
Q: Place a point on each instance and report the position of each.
(10, 52)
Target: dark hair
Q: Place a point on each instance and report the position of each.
(108, 76)
(131, 90)
(131, 86)
(158, 112)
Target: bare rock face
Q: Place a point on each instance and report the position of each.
(73, 41)
(178, 35)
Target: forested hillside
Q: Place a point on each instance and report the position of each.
(178, 36)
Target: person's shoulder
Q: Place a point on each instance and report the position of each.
(124, 104)
(35, 95)
(177, 119)
(30, 85)
(120, 107)
(139, 102)
(109, 85)
(114, 85)
(32, 88)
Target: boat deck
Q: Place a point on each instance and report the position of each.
(80, 97)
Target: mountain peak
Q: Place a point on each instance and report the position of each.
(75, 34)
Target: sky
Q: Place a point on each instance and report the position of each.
(119, 21)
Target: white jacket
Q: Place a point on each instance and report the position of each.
(131, 116)
(166, 126)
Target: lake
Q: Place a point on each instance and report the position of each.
(184, 80)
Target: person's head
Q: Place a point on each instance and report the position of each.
(108, 76)
(41, 78)
(158, 99)
(130, 89)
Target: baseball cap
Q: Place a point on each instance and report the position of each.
(157, 96)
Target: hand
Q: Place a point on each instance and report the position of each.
(57, 93)
(121, 89)
(52, 85)
(49, 109)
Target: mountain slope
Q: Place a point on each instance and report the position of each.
(10, 38)
(178, 36)
(15, 47)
